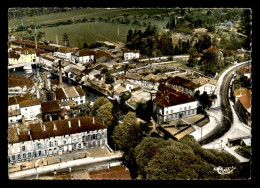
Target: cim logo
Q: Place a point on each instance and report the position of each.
(225, 170)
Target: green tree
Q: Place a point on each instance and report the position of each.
(145, 151)
(97, 104)
(109, 78)
(65, 38)
(40, 35)
(104, 113)
(85, 45)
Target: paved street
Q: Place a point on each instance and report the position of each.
(58, 162)
(215, 114)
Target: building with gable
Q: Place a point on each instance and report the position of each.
(131, 54)
(19, 85)
(74, 93)
(83, 56)
(64, 53)
(170, 105)
(30, 109)
(55, 137)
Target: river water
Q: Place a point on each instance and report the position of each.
(91, 94)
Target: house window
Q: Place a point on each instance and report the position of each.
(50, 144)
(40, 152)
(98, 136)
(56, 143)
(29, 154)
(39, 146)
(18, 156)
(64, 142)
(13, 157)
(23, 148)
(79, 146)
(25, 109)
(24, 155)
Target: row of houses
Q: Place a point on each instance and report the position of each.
(30, 108)
(55, 137)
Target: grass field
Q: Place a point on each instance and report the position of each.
(91, 32)
(85, 13)
(86, 32)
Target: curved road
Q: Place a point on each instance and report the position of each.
(223, 109)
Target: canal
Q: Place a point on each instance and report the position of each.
(90, 93)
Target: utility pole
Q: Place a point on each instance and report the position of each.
(35, 38)
(57, 41)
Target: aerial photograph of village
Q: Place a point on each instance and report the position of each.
(129, 93)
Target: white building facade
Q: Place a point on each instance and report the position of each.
(131, 54)
(172, 113)
(30, 109)
(94, 134)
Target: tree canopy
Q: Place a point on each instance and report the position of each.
(157, 158)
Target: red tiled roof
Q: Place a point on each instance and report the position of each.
(115, 172)
(245, 100)
(69, 91)
(182, 82)
(84, 53)
(60, 94)
(244, 70)
(32, 44)
(17, 99)
(167, 96)
(127, 51)
(14, 81)
(27, 51)
(79, 90)
(50, 107)
(62, 126)
(65, 50)
(100, 54)
(13, 54)
(31, 102)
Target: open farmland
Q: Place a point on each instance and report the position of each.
(85, 13)
(91, 32)
(86, 32)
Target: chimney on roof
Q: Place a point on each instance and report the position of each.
(54, 126)
(69, 122)
(18, 131)
(79, 123)
(41, 124)
(29, 131)
(93, 120)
